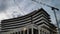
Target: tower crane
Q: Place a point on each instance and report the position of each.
(45, 4)
(52, 8)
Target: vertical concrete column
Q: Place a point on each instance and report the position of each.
(24, 32)
(28, 31)
(32, 30)
(38, 31)
(20, 31)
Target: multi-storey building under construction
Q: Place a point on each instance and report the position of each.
(36, 22)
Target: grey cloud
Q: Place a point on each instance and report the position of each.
(25, 5)
(5, 4)
(2, 5)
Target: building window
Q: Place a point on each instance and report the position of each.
(21, 32)
(30, 31)
(25, 31)
(45, 32)
(13, 33)
(35, 31)
(40, 31)
(16, 33)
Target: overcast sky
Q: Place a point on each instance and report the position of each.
(10, 9)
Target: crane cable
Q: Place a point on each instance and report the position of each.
(18, 7)
(41, 3)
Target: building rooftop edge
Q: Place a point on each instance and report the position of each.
(31, 14)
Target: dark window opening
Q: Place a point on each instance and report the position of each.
(13, 33)
(35, 31)
(40, 32)
(21, 32)
(16, 32)
(25, 31)
(30, 31)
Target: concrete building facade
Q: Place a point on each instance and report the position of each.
(37, 22)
